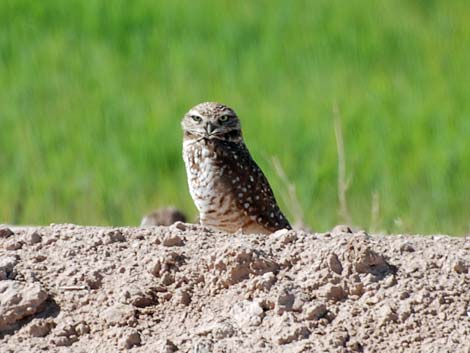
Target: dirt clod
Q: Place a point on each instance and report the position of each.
(246, 313)
(131, 339)
(5, 232)
(173, 240)
(41, 328)
(33, 238)
(19, 300)
(7, 267)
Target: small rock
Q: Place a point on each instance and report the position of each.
(335, 293)
(66, 330)
(334, 264)
(7, 267)
(390, 281)
(223, 330)
(315, 311)
(285, 236)
(64, 341)
(386, 314)
(367, 260)
(41, 328)
(173, 240)
(5, 232)
(131, 339)
(94, 280)
(285, 301)
(266, 304)
(168, 279)
(291, 334)
(14, 245)
(168, 347)
(265, 282)
(155, 268)
(357, 289)
(138, 297)
(280, 233)
(460, 267)
(19, 300)
(355, 346)
(247, 313)
(33, 238)
(39, 258)
(113, 236)
(82, 329)
(219, 330)
(118, 314)
(407, 247)
(241, 263)
(404, 295)
(204, 345)
(338, 339)
(182, 297)
(299, 303)
(180, 226)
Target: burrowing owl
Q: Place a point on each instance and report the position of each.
(229, 189)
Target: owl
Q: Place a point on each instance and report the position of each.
(228, 188)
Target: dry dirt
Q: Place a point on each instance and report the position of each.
(184, 288)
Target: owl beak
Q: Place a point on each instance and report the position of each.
(210, 129)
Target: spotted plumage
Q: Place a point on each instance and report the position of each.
(227, 186)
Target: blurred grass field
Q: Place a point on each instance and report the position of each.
(92, 93)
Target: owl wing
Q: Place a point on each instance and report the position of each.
(252, 191)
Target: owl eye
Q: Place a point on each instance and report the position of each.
(224, 118)
(196, 118)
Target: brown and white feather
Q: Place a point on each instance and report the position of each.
(229, 190)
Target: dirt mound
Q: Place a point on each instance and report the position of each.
(184, 288)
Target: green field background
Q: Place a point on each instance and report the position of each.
(92, 94)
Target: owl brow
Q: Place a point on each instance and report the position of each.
(194, 113)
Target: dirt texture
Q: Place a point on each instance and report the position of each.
(185, 288)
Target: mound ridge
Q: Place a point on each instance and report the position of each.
(186, 288)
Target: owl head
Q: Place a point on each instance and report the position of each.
(212, 120)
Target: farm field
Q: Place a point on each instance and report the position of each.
(92, 94)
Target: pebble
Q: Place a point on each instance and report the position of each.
(247, 313)
(182, 297)
(33, 238)
(131, 339)
(168, 347)
(172, 240)
(335, 293)
(113, 236)
(6, 233)
(285, 301)
(19, 300)
(14, 245)
(334, 264)
(7, 267)
(316, 311)
(41, 328)
(459, 266)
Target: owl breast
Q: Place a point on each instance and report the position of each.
(205, 170)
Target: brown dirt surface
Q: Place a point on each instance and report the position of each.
(185, 288)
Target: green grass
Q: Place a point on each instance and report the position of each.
(92, 93)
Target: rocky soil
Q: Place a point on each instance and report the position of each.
(184, 288)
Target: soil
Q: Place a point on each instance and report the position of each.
(185, 288)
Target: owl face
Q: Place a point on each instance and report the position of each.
(211, 121)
